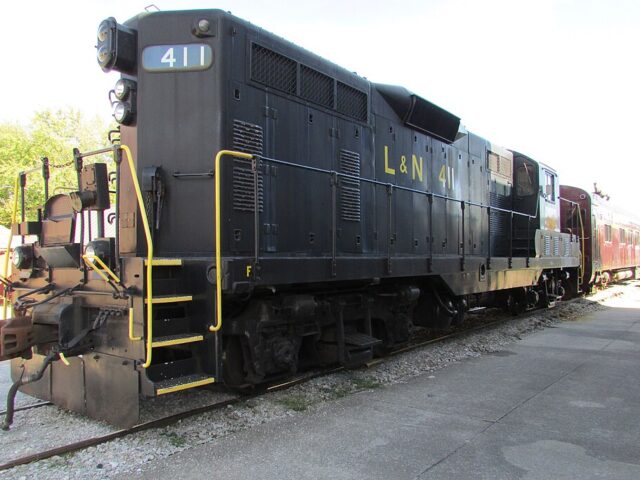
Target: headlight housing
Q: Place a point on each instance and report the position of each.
(102, 248)
(116, 48)
(23, 257)
(124, 88)
(122, 113)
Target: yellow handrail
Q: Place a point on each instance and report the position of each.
(147, 234)
(89, 259)
(64, 359)
(5, 271)
(131, 335)
(218, 325)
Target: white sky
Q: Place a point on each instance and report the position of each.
(558, 80)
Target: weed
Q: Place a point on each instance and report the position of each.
(340, 391)
(365, 383)
(297, 403)
(175, 439)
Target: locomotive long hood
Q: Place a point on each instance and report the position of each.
(420, 114)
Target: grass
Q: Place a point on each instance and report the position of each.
(297, 403)
(349, 385)
(340, 391)
(175, 439)
(365, 383)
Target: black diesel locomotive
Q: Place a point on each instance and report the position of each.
(272, 212)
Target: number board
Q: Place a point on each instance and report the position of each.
(171, 58)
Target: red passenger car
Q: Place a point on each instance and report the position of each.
(610, 238)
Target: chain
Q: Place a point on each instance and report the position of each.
(61, 165)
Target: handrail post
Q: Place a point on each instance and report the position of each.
(218, 225)
(488, 237)
(23, 186)
(5, 270)
(528, 240)
(147, 234)
(45, 176)
(510, 239)
(334, 223)
(117, 159)
(256, 214)
(462, 208)
(390, 235)
(430, 259)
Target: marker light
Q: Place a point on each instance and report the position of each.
(22, 256)
(116, 47)
(123, 88)
(122, 113)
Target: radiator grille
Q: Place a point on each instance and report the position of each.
(286, 75)
(316, 87)
(272, 69)
(499, 225)
(547, 245)
(352, 102)
(243, 187)
(349, 188)
(247, 138)
(556, 246)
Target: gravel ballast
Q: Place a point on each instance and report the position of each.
(46, 427)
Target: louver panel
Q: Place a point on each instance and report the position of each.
(247, 138)
(273, 70)
(349, 188)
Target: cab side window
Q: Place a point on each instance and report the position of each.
(525, 185)
(549, 186)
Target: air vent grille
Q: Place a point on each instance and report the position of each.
(349, 188)
(352, 102)
(287, 75)
(547, 245)
(243, 187)
(316, 87)
(247, 138)
(273, 70)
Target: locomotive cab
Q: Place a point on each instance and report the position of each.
(537, 194)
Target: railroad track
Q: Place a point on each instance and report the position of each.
(26, 407)
(171, 419)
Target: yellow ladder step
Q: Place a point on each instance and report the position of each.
(183, 383)
(164, 262)
(180, 339)
(170, 299)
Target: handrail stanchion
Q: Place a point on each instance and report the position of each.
(147, 234)
(5, 271)
(231, 153)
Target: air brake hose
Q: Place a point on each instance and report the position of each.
(11, 396)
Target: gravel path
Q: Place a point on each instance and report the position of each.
(46, 427)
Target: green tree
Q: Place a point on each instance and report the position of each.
(51, 134)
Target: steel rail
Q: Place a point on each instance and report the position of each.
(170, 419)
(27, 407)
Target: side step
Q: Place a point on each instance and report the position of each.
(183, 383)
(164, 262)
(361, 340)
(358, 348)
(170, 299)
(179, 339)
